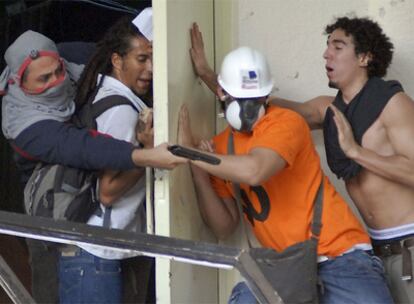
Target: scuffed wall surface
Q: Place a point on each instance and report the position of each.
(396, 17)
(290, 34)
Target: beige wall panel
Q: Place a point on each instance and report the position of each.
(290, 33)
(176, 211)
(396, 18)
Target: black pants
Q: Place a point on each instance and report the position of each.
(138, 280)
(43, 262)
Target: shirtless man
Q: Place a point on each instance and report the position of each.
(368, 131)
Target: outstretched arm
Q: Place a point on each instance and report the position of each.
(56, 142)
(397, 118)
(156, 157)
(221, 214)
(253, 168)
(312, 110)
(198, 56)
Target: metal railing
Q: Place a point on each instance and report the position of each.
(187, 251)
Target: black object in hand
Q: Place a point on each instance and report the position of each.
(193, 155)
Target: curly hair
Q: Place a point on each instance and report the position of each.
(116, 40)
(368, 37)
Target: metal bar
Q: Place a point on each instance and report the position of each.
(256, 280)
(149, 176)
(147, 244)
(193, 252)
(12, 285)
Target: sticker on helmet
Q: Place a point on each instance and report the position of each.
(250, 79)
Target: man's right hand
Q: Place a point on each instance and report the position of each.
(158, 157)
(198, 56)
(197, 53)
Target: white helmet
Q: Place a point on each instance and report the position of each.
(245, 74)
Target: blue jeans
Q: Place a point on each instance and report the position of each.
(85, 278)
(356, 277)
(241, 294)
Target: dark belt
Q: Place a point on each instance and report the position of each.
(398, 247)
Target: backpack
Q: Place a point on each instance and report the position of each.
(62, 192)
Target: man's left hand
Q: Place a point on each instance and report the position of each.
(144, 130)
(345, 135)
(185, 135)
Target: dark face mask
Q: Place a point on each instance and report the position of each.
(242, 114)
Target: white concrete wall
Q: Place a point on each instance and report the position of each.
(396, 18)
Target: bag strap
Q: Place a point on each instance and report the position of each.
(236, 190)
(86, 115)
(98, 108)
(317, 211)
(108, 102)
(107, 217)
(317, 207)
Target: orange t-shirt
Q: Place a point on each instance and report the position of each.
(280, 210)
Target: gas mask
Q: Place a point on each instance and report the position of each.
(242, 114)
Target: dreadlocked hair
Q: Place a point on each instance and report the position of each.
(368, 37)
(116, 40)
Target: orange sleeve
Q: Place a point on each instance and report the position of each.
(284, 134)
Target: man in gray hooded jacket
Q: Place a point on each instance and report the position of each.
(38, 87)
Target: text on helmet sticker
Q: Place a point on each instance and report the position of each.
(249, 79)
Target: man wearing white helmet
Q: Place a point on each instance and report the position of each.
(279, 173)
